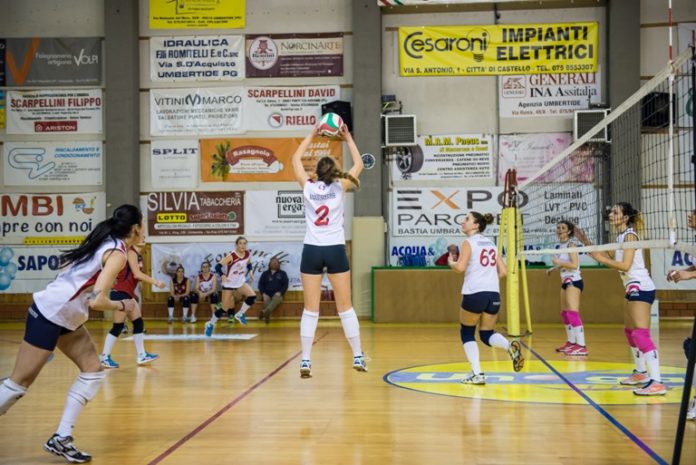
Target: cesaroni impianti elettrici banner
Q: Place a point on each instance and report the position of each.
(498, 49)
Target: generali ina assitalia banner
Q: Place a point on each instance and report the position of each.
(498, 49)
(266, 160)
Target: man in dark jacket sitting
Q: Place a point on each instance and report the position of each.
(273, 284)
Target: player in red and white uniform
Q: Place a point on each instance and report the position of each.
(58, 313)
(125, 289)
(325, 248)
(639, 294)
(571, 289)
(238, 264)
(204, 289)
(478, 260)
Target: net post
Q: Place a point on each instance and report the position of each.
(686, 393)
(512, 286)
(523, 272)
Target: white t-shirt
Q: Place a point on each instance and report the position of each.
(324, 213)
(236, 271)
(638, 273)
(64, 301)
(568, 273)
(481, 273)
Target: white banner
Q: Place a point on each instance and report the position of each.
(286, 108)
(197, 58)
(187, 112)
(54, 111)
(27, 269)
(167, 257)
(528, 153)
(553, 95)
(446, 157)
(418, 250)
(276, 213)
(35, 217)
(53, 163)
(174, 164)
(662, 261)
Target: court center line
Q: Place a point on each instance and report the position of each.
(603, 412)
(224, 409)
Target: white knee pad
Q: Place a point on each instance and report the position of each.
(349, 321)
(308, 323)
(10, 392)
(86, 386)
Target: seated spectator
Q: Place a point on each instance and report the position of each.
(179, 291)
(273, 285)
(451, 249)
(204, 290)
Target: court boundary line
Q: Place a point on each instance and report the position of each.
(636, 440)
(171, 449)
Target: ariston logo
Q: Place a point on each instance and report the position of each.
(475, 41)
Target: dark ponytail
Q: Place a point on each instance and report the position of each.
(327, 172)
(482, 220)
(116, 227)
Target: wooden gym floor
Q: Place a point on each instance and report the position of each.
(229, 401)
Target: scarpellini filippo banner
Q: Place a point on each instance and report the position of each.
(498, 49)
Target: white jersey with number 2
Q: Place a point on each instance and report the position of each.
(482, 271)
(324, 213)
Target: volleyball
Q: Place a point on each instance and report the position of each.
(330, 125)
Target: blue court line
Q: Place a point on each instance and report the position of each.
(603, 412)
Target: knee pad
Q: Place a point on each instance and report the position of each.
(629, 337)
(574, 319)
(643, 340)
(219, 313)
(185, 301)
(116, 329)
(467, 333)
(138, 326)
(349, 321)
(485, 336)
(170, 301)
(214, 298)
(308, 323)
(86, 386)
(250, 300)
(194, 297)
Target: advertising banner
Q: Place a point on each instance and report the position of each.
(53, 163)
(42, 219)
(197, 14)
(528, 153)
(2, 109)
(662, 261)
(167, 257)
(440, 211)
(195, 213)
(275, 213)
(190, 112)
(3, 48)
(27, 269)
(286, 108)
(294, 55)
(446, 157)
(264, 160)
(418, 250)
(174, 164)
(54, 111)
(556, 95)
(42, 62)
(488, 50)
(196, 58)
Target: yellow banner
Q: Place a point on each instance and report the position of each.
(498, 49)
(197, 14)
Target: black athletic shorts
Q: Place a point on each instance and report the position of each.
(41, 332)
(317, 257)
(479, 302)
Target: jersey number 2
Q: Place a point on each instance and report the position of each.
(487, 257)
(322, 216)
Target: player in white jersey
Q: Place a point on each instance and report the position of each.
(571, 289)
(204, 290)
(639, 294)
(324, 246)
(238, 265)
(58, 313)
(479, 261)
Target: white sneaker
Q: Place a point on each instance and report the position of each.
(193, 319)
(473, 378)
(691, 412)
(305, 369)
